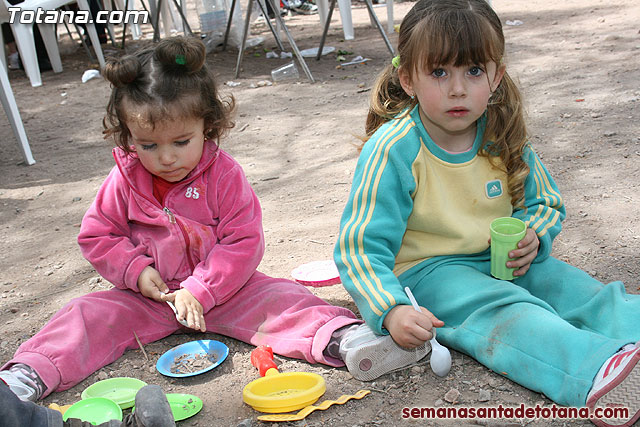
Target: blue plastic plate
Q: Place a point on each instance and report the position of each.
(215, 351)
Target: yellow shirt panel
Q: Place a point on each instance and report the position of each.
(444, 225)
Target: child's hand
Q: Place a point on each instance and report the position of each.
(525, 254)
(408, 328)
(189, 308)
(151, 284)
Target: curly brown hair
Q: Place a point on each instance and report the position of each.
(169, 80)
(458, 32)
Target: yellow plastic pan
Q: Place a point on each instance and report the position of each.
(276, 392)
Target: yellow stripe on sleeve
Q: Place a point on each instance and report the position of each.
(551, 223)
(546, 185)
(544, 218)
(537, 214)
(536, 179)
(359, 206)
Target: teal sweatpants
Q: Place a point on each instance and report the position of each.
(550, 330)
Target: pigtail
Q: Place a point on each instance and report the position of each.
(181, 56)
(507, 131)
(388, 99)
(122, 71)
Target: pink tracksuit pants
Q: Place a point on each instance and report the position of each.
(94, 330)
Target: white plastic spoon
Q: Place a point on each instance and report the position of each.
(440, 357)
(173, 307)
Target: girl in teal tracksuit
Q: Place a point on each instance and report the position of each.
(447, 153)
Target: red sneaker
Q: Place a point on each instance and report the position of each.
(618, 386)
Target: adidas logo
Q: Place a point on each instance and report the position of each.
(493, 189)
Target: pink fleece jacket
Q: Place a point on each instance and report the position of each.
(207, 238)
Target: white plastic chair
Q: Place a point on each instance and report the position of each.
(345, 16)
(23, 34)
(372, 16)
(11, 108)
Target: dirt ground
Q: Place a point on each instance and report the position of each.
(578, 63)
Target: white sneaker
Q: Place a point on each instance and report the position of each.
(20, 389)
(617, 385)
(369, 356)
(304, 7)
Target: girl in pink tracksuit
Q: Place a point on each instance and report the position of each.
(175, 220)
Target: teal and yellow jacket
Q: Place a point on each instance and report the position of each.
(411, 203)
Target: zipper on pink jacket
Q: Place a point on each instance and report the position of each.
(174, 220)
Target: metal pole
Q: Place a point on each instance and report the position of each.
(326, 29)
(156, 30)
(226, 32)
(293, 44)
(184, 18)
(263, 8)
(377, 22)
(244, 38)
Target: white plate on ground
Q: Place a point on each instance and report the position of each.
(317, 274)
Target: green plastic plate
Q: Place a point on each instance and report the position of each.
(95, 410)
(121, 390)
(183, 406)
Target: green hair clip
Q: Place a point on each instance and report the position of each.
(180, 59)
(396, 61)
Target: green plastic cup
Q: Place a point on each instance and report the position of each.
(506, 232)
